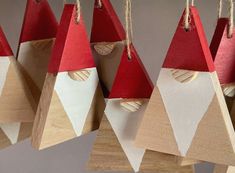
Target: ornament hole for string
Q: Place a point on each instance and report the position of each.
(187, 29)
(38, 1)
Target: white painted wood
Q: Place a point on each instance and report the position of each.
(231, 169)
(34, 57)
(76, 97)
(125, 125)
(186, 104)
(4, 65)
(11, 130)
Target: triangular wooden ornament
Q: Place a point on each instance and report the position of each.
(37, 38)
(113, 148)
(17, 107)
(107, 42)
(71, 103)
(187, 104)
(223, 52)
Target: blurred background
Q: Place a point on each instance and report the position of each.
(154, 23)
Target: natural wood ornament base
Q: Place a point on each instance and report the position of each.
(17, 107)
(107, 65)
(52, 125)
(33, 58)
(108, 155)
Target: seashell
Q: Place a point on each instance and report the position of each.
(184, 76)
(229, 90)
(131, 105)
(81, 75)
(104, 48)
(43, 44)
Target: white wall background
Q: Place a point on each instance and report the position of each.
(154, 24)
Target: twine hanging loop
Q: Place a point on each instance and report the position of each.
(129, 28)
(187, 15)
(231, 20)
(78, 11)
(220, 7)
(99, 3)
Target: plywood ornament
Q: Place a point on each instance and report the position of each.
(36, 41)
(107, 42)
(182, 118)
(17, 107)
(113, 149)
(108, 50)
(71, 103)
(223, 52)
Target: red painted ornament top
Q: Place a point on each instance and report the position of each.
(106, 25)
(189, 50)
(39, 21)
(223, 52)
(5, 49)
(132, 80)
(72, 48)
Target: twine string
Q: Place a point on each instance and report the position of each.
(231, 20)
(187, 15)
(129, 27)
(78, 11)
(99, 3)
(220, 7)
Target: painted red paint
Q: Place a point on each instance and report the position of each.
(223, 52)
(39, 22)
(5, 49)
(72, 48)
(132, 80)
(106, 25)
(189, 50)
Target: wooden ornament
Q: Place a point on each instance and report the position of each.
(104, 48)
(72, 102)
(110, 151)
(223, 53)
(181, 118)
(36, 42)
(113, 149)
(107, 66)
(17, 107)
(222, 49)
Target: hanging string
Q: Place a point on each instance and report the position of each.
(187, 15)
(220, 7)
(99, 3)
(129, 27)
(78, 11)
(192, 3)
(231, 20)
